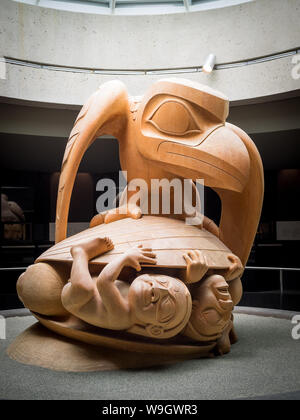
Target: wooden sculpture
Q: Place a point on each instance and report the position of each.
(12, 217)
(189, 277)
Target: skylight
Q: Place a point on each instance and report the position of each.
(133, 7)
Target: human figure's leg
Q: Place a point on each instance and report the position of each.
(81, 286)
(40, 286)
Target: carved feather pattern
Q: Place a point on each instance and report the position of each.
(73, 136)
(75, 130)
(69, 146)
(77, 133)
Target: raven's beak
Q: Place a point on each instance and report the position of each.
(221, 159)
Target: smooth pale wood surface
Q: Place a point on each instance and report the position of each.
(169, 239)
(79, 330)
(39, 346)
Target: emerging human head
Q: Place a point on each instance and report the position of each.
(161, 305)
(211, 312)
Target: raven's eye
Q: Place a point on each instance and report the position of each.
(174, 118)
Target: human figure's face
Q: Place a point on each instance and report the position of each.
(158, 299)
(212, 306)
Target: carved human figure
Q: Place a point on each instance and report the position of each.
(156, 306)
(212, 307)
(153, 305)
(212, 304)
(12, 215)
(10, 210)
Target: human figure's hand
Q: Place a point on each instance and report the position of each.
(235, 269)
(196, 266)
(135, 256)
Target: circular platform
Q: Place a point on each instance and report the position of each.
(265, 363)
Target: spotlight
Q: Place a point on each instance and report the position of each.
(209, 64)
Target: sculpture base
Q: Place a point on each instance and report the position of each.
(39, 346)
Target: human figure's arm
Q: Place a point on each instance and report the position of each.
(122, 212)
(115, 304)
(234, 270)
(210, 225)
(196, 266)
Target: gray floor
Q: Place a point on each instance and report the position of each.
(265, 363)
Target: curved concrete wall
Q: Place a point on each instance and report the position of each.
(253, 29)
(58, 87)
